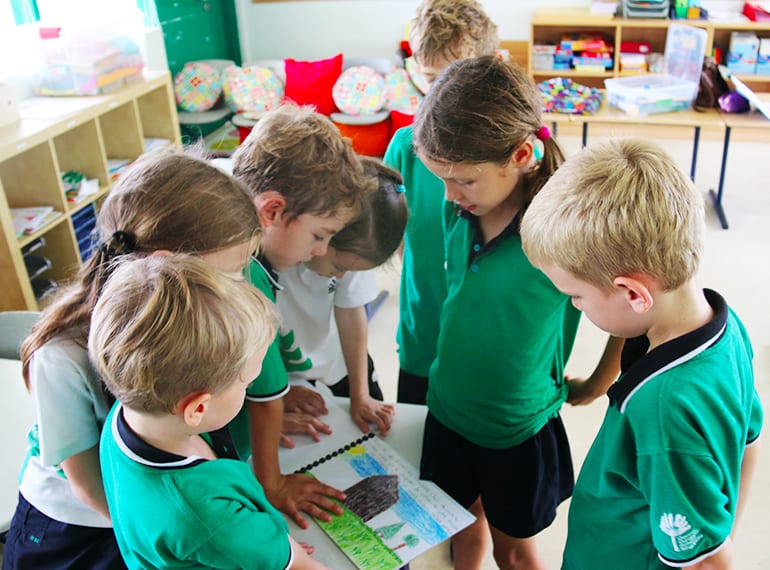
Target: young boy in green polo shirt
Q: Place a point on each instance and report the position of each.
(442, 31)
(620, 229)
(306, 183)
(177, 342)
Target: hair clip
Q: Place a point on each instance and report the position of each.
(120, 243)
(400, 188)
(543, 133)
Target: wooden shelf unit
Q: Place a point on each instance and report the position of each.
(548, 25)
(56, 135)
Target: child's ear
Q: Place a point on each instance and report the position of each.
(637, 292)
(522, 155)
(192, 408)
(270, 206)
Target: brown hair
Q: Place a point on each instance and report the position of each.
(166, 200)
(378, 231)
(451, 29)
(481, 110)
(618, 208)
(168, 326)
(301, 154)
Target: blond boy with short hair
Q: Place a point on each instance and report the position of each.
(177, 342)
(442, 31)
(306, 183)
(620, 228)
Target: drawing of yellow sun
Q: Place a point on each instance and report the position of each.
(357, 450)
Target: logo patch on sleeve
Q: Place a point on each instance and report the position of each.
(677, 527)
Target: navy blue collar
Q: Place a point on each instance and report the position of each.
(639, 366)
(479, 248)
(270, 273)
(142, 452)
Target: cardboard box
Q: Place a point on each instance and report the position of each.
(742, 55)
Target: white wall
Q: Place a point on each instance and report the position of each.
(322, 28)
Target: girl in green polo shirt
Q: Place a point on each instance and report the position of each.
(493, 436)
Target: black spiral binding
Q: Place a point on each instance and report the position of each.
(334, 454)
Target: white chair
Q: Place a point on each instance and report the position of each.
(14, 327)
(17, 409)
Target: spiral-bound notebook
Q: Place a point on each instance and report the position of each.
(390, 515)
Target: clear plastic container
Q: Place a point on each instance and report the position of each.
(673, 90)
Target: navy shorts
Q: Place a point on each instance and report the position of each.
(520, 486)
(342, 388)
(412, 388)
(40, 542)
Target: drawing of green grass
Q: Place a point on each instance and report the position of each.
(360, 543)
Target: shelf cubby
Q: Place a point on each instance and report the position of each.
(55, 136)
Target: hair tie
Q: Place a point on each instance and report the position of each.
(543, 133)
(120, 243)
(400, 188)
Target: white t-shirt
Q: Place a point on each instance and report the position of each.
(310, 342)
(71, 409)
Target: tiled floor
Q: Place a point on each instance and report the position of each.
(732, 265)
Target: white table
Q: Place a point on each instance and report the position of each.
(17, 413)
(405, 437)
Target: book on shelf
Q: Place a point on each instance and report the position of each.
(29, 220)
(390, 516)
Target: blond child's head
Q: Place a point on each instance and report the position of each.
(618, 208)
(301, 155)
(169, 326)
(443, 31)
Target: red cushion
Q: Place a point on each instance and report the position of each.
(311, 82)
(398, 120)
(369, 140)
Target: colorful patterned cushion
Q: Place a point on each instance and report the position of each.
(415, 74)
(251, 90)
(360, 90)
(311, 82)
(197, 86)
(400, 93)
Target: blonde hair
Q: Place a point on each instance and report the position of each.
(301, 154)
(170, 200)
(168, 326)
(451, 29)
(617, 208)
(481, 110)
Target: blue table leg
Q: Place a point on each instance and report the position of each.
(695, 143)
(716, 197)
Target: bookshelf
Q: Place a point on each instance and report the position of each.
(548, 25)
(57, 135)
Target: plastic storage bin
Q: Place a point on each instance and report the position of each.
(674, 90)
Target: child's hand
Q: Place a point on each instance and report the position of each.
(295, 493)
(305, 400)
(366, 409)
(302, 559)
(582, 392)
(294, 422)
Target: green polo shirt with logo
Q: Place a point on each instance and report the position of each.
(506, 333)
(659, 486)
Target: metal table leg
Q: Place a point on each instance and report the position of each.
(716, 197)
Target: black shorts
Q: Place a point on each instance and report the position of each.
(38, 541)
(342, 388)
(412, 388)
(520, 486)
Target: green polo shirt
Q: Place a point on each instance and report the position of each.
(423, 280)
(171, 511)
(273, 380)
(659, 486)
(506, 333)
